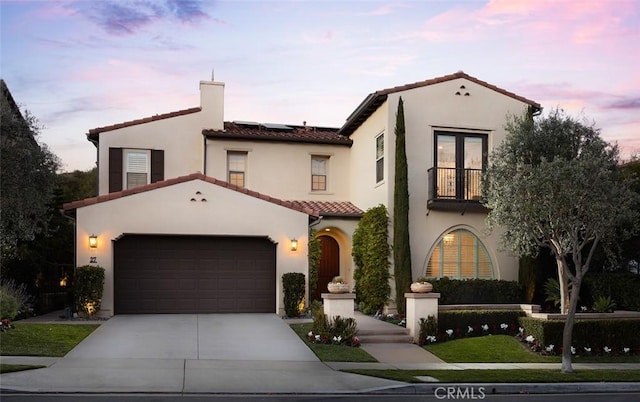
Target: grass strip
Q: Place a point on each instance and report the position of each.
(507, 349)
(34, 339)
(503, 376)
(331, 353)
(10, 368)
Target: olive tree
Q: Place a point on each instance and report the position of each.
(552, 183)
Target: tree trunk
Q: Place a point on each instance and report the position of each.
(563, 281)
(567, 333)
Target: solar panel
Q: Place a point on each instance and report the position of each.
(246, 123)
(276, 126)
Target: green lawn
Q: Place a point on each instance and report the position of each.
(506, 349)
(332, 353)
(54, 340)
(505, 376)
(10, 368)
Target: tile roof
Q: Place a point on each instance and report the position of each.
(279, 132)
(371, 103)
(194, 176)
(94, 132)
(331, 208)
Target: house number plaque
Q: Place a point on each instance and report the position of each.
(93, 260)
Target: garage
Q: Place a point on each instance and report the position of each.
(194, 274)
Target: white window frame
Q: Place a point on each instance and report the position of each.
(126, 169)
(245, 156)
(379, 158)
(325, 159)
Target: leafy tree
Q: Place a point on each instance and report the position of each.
(401, 246)
(553, 184)
(371, 253)
(27, 180)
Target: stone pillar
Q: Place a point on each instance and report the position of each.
(339, 304)
(420, 305)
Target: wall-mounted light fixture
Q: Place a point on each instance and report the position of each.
(294, 244)
(93, 241)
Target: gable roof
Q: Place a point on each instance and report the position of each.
(94, 133)
(373, 101)
(194, 176)
(278, 132)
(343, 209)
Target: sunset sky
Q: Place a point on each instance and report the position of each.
(78, 65)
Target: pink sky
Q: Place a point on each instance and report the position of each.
(77, 65)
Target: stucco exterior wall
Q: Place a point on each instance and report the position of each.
(427, 109)
(180, 138)
(168, 210)
(283, 170)
(365, 192)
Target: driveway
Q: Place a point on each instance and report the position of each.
(235, 337)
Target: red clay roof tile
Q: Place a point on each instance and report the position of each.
(194, 176)
(331, 208)
(262, 132)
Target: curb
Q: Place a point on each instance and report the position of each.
(480, 390)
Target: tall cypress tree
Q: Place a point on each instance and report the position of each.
(401, 247)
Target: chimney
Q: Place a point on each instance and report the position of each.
(212, 104)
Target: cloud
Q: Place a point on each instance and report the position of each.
(126, 18)
(627, 103)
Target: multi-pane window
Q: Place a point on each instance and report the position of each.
(237, 168)
(319, 171)
(460, 159)
(380, 158)
(460, 254)
(136, 168)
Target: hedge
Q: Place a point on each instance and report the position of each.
(615, 333)
(477, 291)
(293, 287)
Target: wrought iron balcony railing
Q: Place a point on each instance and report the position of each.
(449, 186)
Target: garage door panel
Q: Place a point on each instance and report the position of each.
(193, 274)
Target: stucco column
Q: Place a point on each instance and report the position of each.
(420, 305)
(339, 304)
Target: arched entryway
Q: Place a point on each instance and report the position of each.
(329, 264)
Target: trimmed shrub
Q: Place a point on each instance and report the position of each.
(88, 288)
(477, 291)
(595, 334)
(371, 253)
(293, 286)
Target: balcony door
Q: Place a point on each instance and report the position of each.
(460, 159)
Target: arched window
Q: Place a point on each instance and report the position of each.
(460, 254)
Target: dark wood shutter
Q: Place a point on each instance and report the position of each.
(115, 169)
(157, 165)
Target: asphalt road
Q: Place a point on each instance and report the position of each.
(478, 396)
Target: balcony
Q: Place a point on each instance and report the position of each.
(452, 189)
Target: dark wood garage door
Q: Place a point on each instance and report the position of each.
(194, 274)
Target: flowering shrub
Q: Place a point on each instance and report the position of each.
(339, 331)
(5, 325)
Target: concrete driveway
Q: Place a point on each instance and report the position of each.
(194, 337)
(204, 353)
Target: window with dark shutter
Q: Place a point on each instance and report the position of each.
(115, 169)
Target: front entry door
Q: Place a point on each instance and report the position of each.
(329, 264)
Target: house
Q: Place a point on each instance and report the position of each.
(198, 214)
